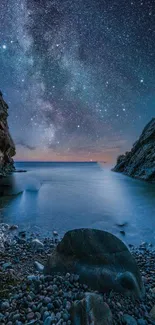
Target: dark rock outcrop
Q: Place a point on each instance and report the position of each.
(7, 147)
(100, 259)
(140, 161)
(91, 310)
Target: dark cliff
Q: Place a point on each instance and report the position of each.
(7, 147)
(140, 161)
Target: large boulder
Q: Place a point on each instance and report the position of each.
(101, 260)
(140, 161)
(91, 310)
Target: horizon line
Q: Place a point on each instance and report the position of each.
(59, 161)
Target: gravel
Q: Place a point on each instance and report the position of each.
(29, 297)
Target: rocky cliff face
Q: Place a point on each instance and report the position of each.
(140, 161)
(7, 147)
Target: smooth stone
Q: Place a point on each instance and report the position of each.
(16, 317)
(49, 320)
(32, 277)
(128, 320)
(65, 316)
(46, 300)
(102, 261)
(68, 305)
(38, 266)
(91, 310)
(38, 315)
(5, 305)
(37, 245)
(30, 316)
(141, 321)
(45, 315)
(7, 265)
(50, 306)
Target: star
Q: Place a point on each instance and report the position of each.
(76, 76)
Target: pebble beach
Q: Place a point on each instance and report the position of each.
(29, 297)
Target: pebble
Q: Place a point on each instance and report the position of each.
(141, 322)
(68, 305)
(129, 320)
(49, 320)
(16, 317)
(7, 265)
(40, 299)
(37, 245)
(5, 305)
(30, 316)
(38, 266)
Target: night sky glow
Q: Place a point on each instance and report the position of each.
(78, 76)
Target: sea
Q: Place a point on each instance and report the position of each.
(58, 196)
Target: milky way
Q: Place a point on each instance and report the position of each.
(79, 76)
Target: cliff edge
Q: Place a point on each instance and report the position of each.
(140, 161)
(7, 147)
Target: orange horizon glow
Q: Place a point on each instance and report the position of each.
(109, 156)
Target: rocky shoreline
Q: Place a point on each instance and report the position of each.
(29, 297)
(7, 147)
(139, 163)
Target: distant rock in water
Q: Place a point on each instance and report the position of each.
(7, 147)
(140, 161)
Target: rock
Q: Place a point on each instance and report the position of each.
(128, 320)
(122, 232)
(140, 161)
(7, 265)
(21, 241)
(141, 321)
(100, 259)
(122, 224)
(32, 278)
(49, 320)
(91, 310)
(37, 245)
(30, 316)
(13, 227)
(38, 266)
(5, 305)
(152, 313)
(22, 234)
(7, 147)
(16, 317)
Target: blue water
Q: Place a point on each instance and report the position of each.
(63, 196)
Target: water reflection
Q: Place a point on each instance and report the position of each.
(68, 196)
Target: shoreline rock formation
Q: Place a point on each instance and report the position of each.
(7, 147)
(140, 161)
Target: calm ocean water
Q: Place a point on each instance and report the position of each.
(63, 196)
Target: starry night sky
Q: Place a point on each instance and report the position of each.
(78, 76)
